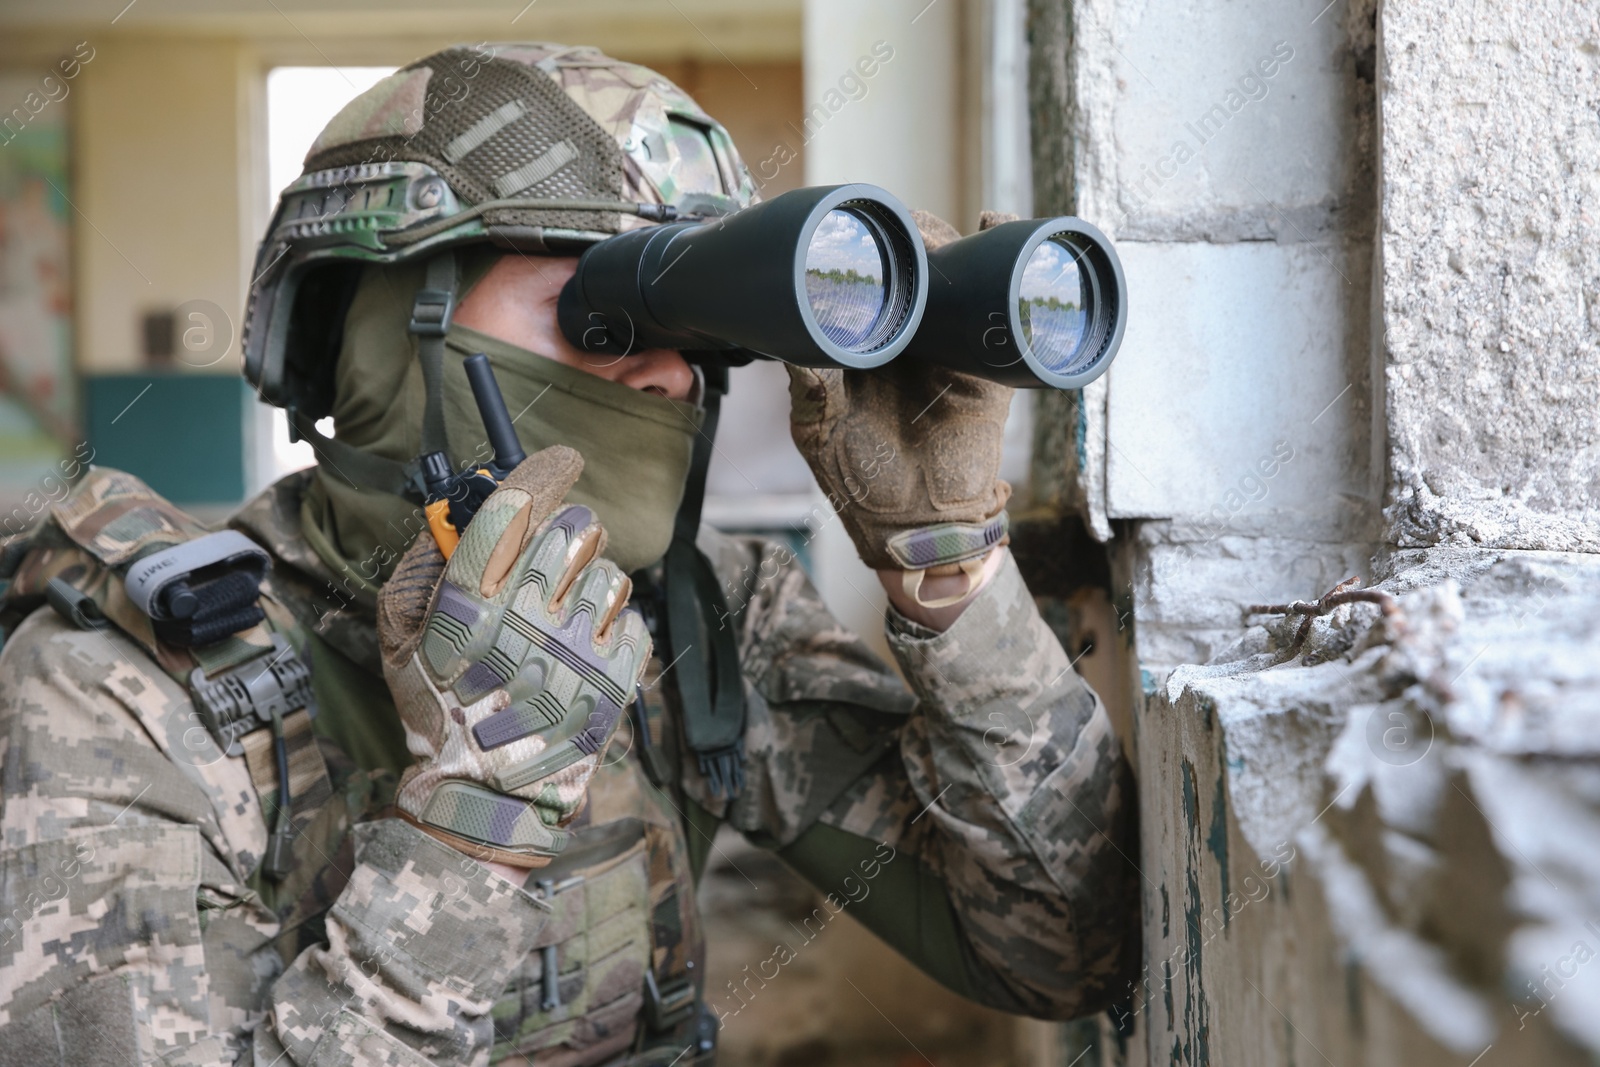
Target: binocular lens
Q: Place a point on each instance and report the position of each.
(847, 278)
(1035, 303)
(1053, 305)
(829, 276)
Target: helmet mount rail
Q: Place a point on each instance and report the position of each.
(652, 212)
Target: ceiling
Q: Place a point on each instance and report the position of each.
(346, 30)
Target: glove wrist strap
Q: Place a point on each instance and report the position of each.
(486, 824)
(947, 542)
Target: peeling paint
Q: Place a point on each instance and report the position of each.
(1217, 841)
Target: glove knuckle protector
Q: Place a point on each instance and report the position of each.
(525, 662)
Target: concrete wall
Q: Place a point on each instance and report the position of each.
(1491, 272)
(1363, 342)
(1228, 153)
(1385, 857)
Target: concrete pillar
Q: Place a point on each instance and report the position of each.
(899, 127)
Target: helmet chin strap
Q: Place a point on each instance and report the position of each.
(431, 310)
(698, 639)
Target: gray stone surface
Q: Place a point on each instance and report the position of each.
(1222, 120)
(1191, 584)
(1381, 851)
(1429, 792)
(1490, 200)
(1239, 399)
(1227, 147)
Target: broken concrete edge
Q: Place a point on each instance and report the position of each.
(1437, 774)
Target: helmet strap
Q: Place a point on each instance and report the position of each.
(431, 311)
(357, 466)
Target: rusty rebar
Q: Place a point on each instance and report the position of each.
(1339, 595)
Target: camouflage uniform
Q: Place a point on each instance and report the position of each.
(990, 806)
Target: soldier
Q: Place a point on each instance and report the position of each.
(370, 809)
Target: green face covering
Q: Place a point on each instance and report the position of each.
(636, 446)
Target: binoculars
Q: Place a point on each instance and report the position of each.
(837, 276)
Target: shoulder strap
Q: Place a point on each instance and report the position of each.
(357, 466)
(435, 303)
(251, 688)
(697, 636)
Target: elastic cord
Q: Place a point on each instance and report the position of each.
(280, 748)
(911, 582)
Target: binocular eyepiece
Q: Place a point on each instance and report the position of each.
(837, 276)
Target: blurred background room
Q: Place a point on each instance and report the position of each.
(136, 179)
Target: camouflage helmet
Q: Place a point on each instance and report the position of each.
(538, 148)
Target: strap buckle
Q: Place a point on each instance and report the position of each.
(431, 312)
(74, 605)
(244, 698)
(667, 1004)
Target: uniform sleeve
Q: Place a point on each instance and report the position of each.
(127, 932)
(987, 828)
(420, 944)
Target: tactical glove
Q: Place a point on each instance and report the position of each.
(511, 666)
(909, 455)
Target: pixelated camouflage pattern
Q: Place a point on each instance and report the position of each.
(840, 704)
(1018, 781)
(997, 770)
(309, 787)
(167, 832)
(1005, 778)
(420, 943)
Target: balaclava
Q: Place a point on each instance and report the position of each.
(636, 446)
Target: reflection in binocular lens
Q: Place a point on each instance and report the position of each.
(846, 278)
(1052, 305)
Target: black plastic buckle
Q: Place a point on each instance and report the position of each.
(430, 314)
(667, 1007)
(242, 699)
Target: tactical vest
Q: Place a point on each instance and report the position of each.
(616, 975)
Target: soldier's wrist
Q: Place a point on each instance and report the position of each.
(936, 601)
